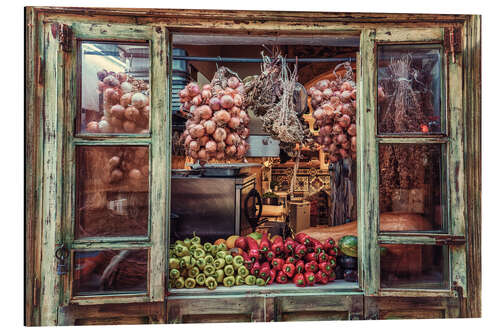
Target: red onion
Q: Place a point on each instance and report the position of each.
(319, 114)
(93, 127)
(209, 126)
(131, 113)
(353, 143)
(197, 100)
(311, 90)
(345, 121)
(222, 117)
(193, 154)
(207, 86)
(206, 94)
(346, 86)
(234, 122)
(116, 123)
(327, 93)
(325, 130)
(183, 93)
(241, 151)
(118, 111)
(352, 130)
(129, 126)
(220, 155)
(327, 140)
(139, 100)
(234, 111)
(203, 140)
(343, 153)
(194, 145)
(233, 82)
(345, 96)
(197, 131)
(322, 85)
(122, 77)
(245, 132)
(188, 141)
(226, 102)
(111, 96)
(353, 94)
(337, 129)
(220, 134)
(221, 146)
(214, 103)
(111, 81)
(193, 89)
(205, 112)
(346, 145)
(202, 154)
(341, 138)
(211, 146)
(230, 150)
(238, 100)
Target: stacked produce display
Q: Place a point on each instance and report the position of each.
(218, 125)
(252, 260)
(125, 103)
(334, 104)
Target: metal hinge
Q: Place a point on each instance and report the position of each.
(65, 37)
(460, 295)
(452, 41)
(450, 240)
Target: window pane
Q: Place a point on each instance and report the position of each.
(413, 266)
(112, 191)
(114, 88)
(410, 188)
(409, 98)
(110, 271)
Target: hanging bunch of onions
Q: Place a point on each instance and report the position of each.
(125, 102)
(334, 103)
(217, 126)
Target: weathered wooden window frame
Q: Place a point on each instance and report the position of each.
(45, 88)
(61, 77)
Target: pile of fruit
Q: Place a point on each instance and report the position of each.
(125, 102)
(252, 260)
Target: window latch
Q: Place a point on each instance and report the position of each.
(62, 254)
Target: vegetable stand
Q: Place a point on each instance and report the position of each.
(358, 143)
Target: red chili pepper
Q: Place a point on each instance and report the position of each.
(281, 277)
(311, 257)
(332, 261)
(278, 246)
(300, 250)
(270, 255)
(332, 276)
(321, 277)
(311, 266)
(272, 276)
(265, 270)
(253, 251)
(325, 267)
(289, 246)
(265, 245)
(247, 262)
(322, 257)
(302, 238)
(277, 263)
(289, 270)
(329, 243)
(300, 267)
(255, 270)
(290, 260)
(299, 280)
(310, 278)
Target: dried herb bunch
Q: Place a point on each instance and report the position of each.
(408, 106)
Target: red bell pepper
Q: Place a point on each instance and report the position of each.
(311, 266)
(289, 270)
(299, 280)
(300, 250)
(278, 246)
(329, 243)
(289, 246)
(311, 257)
(290, 260)
(302, 238)
(265, 270)
(316, 244)
(332, 261)
(277, 263)
(255, 270)
(265, 245)
(247, 262)
(253, 249)
(272, 276)
(270, 255)
(300, 266)
(281, 277)
(325, 267)
(321, 277)
(322, 257)
(332, 276)
(310, 278)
